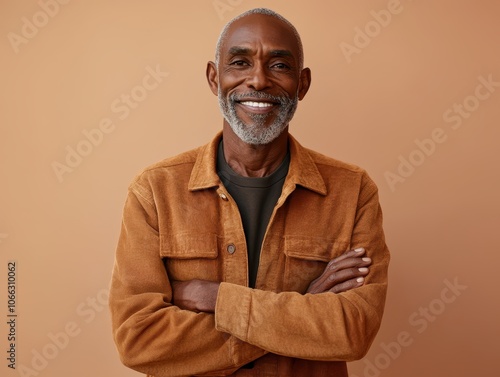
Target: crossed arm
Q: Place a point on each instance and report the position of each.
(343, 273)
(336, 319)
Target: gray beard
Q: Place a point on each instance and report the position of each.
(257, 133)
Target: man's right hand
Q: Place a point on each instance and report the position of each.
(342, 273)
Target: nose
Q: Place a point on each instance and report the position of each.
(258, 78)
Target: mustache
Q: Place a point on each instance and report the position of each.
(259, 95)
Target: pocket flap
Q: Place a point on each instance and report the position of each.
(189, 246)
(314, 248)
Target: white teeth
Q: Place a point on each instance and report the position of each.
(257, 104)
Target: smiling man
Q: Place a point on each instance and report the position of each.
(251, 255)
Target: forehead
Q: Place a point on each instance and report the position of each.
(258, 31)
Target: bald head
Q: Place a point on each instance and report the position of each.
(264, 12)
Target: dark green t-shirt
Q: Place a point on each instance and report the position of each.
(256, 198)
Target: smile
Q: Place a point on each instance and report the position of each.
(256, 104)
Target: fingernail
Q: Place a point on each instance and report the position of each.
(366, 259)
(360, 280)
(363, 269)
(359, 250)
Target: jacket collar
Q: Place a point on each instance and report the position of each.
(302, 171)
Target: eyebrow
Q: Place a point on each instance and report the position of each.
(238, 50)
(284, 53)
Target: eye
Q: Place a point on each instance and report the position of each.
(239, 63)
(280, 66)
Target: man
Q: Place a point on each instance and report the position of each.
(250, 256)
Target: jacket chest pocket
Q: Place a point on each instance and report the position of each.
(306, 259)
(191, 256)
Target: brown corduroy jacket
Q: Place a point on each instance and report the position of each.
(180, 223)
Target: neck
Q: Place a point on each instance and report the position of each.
(253, 160)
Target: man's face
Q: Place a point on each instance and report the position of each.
(259, 78)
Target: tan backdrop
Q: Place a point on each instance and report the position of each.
(93, 91)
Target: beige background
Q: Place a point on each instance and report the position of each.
(367, 108)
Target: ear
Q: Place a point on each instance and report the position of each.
(304, 83)
(213, 81)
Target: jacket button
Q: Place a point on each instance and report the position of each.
(231, 248)
(223, 196)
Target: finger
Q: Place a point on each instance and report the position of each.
(349, 262)
(350, 259)
(337, 273)
(345, 275)
(335, 278)
(358, 252)
(354, 253)
(348, 285)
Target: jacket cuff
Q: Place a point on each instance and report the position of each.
(232, 310)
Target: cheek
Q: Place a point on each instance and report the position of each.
(292, 91)
(231, 81)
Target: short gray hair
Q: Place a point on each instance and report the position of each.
(267, 12)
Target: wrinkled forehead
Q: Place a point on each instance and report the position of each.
(260, 31)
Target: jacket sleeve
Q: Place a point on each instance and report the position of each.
(151, 334)
(325, 326)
